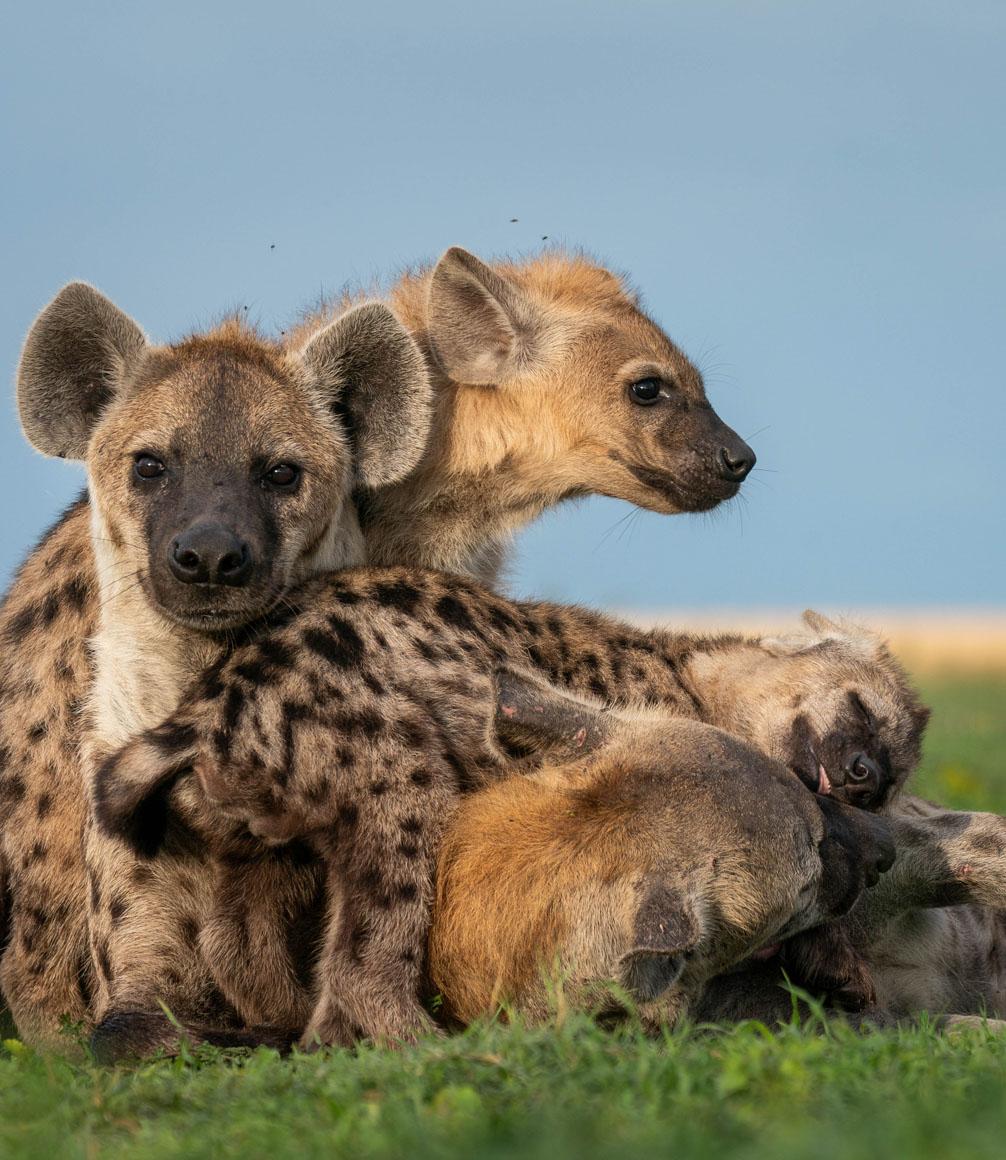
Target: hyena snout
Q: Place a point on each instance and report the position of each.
(855, 850)
(735, 458)
(211, 554)
(864, 783)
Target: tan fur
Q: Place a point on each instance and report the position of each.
(547, 418)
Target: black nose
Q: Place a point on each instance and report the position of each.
(735, 461)
(210, 554)
(859, 768)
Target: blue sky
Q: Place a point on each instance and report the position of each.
(810, 196)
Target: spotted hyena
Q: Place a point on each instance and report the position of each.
(548, 382)
(356, 727)
(219, 471)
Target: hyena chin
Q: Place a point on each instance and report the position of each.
(220, 470)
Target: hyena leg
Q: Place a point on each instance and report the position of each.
(380, 894)
(145, 916)
(944, 858)
(260, 941)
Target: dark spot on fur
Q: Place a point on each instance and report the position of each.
(103, 962)
(397, 595)
(348, 814)
(76, 593)
(378, 787)
(189, 930)
(411, 825)
(361, 721)
(43, 805)
(406, 891)
(374, 685)
(421, 777)
(37, 731)
(451, 611)
(233, 707)
(346, 596)
(116, 909)
(408, 850)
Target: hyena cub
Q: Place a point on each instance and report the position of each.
(549, 382)
(356, 725)
(219, 473)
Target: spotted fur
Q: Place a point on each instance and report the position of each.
(356, 727)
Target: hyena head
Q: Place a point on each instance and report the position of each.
(219, 466)
(659, 849)
(605, 397)
(838, 709)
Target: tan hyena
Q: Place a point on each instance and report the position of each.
(355, 726)
(635, 423)
(550, 383)
(219, 470)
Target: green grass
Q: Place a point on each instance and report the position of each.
(568, 1091)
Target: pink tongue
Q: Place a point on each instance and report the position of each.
(823, 784)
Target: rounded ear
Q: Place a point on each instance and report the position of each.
(374, 376)
(534, 716)
(483, 328)
(71, 367)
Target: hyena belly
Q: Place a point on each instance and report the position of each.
(45, 622)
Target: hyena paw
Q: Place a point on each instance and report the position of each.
(396, 1026)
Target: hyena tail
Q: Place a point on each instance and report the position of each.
(130, 791)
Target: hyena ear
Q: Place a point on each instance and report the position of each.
(821, 633)
(373, 372)
(71, 366)
(665, 929)
(483, 328)
(534, 716)
(129, 794)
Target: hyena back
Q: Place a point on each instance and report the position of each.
(356, 726)
(219, 476)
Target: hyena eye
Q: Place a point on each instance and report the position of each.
(147, 467)
(645, 391)
(283, 475)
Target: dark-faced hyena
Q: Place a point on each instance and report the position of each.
(589, 395)
(356, 725)
(219, 470)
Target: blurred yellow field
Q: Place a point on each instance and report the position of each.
(927, 641)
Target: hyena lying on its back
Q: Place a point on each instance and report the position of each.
(356, 725)
(548, 382)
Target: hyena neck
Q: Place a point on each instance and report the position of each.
(725, 674)
(488, 470)
(142, 662)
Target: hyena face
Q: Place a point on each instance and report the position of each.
(842, 714)
(624, 411)
(218, 467)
